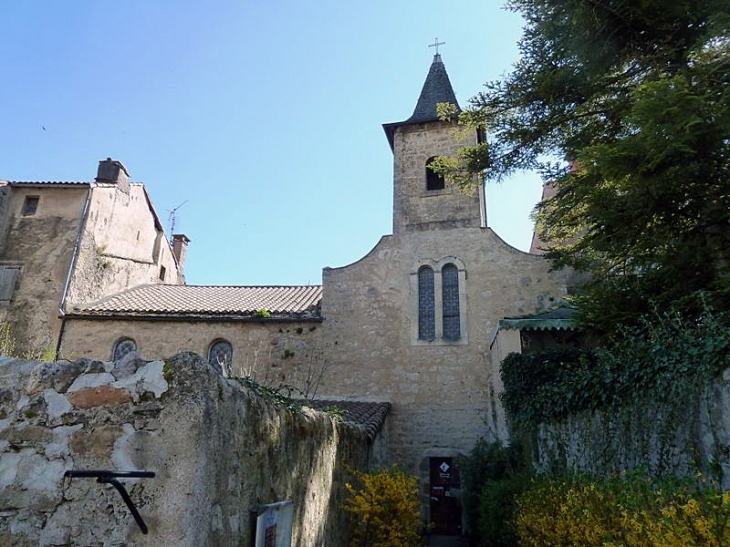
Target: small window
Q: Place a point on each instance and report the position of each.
(220, 356)
(30, 206)
(123, 347)
(8, 280)
(163, 271)
(434, 181)
(426, 305)
(450, 293)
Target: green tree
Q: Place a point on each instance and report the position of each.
(624, 107)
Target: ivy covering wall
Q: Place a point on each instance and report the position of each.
(656, 397)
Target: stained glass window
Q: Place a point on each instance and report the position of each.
(220, 356)
(122, 348)
(426, 305)
(450, 288)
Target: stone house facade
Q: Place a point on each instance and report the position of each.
(62, 243)
(415, 322)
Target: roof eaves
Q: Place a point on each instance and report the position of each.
(47, 183)
(193, 316)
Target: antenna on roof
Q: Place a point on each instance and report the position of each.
(171, 219)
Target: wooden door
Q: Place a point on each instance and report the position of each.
(445, 508)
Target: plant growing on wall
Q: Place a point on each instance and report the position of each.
(46, 354)
(7, 340)
(664, 358)
(648, 385)
(385, 509)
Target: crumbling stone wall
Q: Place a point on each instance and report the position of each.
(216, 450)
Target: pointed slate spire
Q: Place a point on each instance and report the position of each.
(436, 89)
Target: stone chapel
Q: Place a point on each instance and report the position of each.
(421, 322)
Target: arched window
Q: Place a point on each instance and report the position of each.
(122, 348)
(434, 181)
(220, 356)
(450, 294)
(426, 305)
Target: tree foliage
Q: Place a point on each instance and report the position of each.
(624, 107)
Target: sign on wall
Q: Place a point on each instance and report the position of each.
(273, 524)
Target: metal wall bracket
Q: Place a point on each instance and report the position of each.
(110, 477)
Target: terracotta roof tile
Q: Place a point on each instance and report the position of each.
(206, 300)
(370, 416)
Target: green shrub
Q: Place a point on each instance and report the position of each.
(491, 475)
(497, 505)
(627, 511)
(385, 509)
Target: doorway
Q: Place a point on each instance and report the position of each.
(445, 506)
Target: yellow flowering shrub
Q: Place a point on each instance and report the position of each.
(626, 512)
(385, 509)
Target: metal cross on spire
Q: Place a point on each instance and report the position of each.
(436, 44)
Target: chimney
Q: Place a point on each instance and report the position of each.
(180, 249)
(113, 172)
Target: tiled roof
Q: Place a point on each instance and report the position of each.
(436, 89)
(370, 416)
(47, 183)
(298, 301)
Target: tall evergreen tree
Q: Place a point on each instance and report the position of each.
(624, 107)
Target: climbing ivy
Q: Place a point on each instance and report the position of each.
(665, 358)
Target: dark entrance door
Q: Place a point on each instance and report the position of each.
(445, 508)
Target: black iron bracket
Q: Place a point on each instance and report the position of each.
(110, 477)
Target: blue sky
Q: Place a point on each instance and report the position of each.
(262, 117)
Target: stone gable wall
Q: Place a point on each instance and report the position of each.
(120, 248)
(440, 392)
(216, 450)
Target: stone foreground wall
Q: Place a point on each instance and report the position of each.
(217, 451)
(681, 437)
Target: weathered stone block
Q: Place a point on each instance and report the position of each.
(97, 396)
(99, 441)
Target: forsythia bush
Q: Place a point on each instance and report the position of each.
(385, 509)
(628, 511)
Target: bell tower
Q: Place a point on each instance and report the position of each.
(421, 199)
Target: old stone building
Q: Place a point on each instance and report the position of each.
(63, 243)
(411, 322)
(415, 322)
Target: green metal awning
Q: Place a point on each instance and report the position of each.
(560, 318)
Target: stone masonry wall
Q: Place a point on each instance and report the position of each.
(681, 437)
(440, 392)
(271, 352)
(414, 207)
(42, 244)
(216, 450)
(121, 246)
